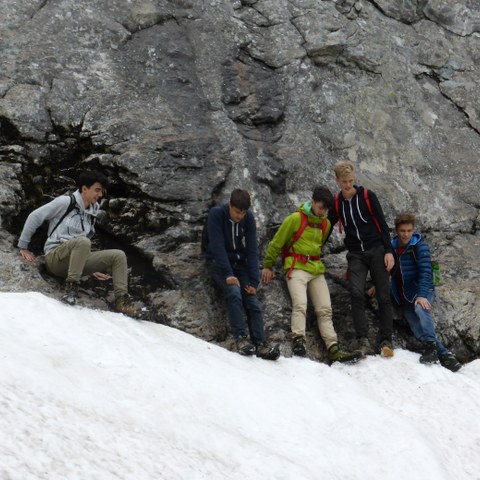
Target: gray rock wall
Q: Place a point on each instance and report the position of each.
(181, 101)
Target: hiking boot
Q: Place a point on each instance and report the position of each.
(245, 347)
(448, 360)
(365, 347)
(71, 293)
(430, 354)
(386, 349)
(124, 304)
(299, 346)
(268, 352)
(336, 355)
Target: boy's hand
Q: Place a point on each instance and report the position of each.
(423, 302)
(101, 276)
(249, 290)
(27, 255)
(389, 261)
(232, 281)
(267, 275)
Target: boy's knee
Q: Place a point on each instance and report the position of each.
(81, 242)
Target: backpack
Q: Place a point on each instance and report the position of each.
(70, 207)
(369, 206)
(436, 271)
(304, 223)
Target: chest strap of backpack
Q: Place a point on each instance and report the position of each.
(369, 206)
(288, 251)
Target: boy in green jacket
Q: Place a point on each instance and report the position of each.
(300, 238)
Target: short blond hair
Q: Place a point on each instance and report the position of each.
(342, 169)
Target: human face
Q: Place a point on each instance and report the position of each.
(236, 214)
(92, 194)
(318, 209)
(404, 232)
(346, 185)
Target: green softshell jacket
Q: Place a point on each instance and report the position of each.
(310, 242)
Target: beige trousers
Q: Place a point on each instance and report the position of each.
(299, 284)
(74, 259)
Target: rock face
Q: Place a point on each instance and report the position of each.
(181, 101)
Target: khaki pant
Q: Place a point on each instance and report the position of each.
(298, 285)
(74, 259)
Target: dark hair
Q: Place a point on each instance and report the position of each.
(324, 195)
(89, 177)
(240, 199)
(402, 218)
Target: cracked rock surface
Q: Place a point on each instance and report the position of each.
(181, 101)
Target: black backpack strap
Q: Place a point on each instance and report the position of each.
(70, 207)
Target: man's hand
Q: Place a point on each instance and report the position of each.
(101, 276)
(27, 255)
(371, 292)
(423, 302)
(267, 275)
(389, 261)
(232, 281)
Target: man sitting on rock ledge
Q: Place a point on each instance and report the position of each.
(71, 225)
(232, 260)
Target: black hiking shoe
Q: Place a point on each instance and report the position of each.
(337, 355)
(448, 360)
(245, 347)
(299, 346)
(429, 354)
(71, 293)
(268, 352)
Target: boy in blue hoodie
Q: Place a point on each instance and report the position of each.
(233, 262)
(413, 290)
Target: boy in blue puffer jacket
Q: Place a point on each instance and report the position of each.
(413, 289)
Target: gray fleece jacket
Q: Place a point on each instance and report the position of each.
(79, 222)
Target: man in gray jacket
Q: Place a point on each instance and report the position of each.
(71, 225)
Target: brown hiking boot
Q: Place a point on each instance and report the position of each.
(71, 293)
(124, 304)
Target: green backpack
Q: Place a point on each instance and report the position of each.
(436, 271)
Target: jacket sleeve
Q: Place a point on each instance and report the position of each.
(424, 265)
(47, 212)
(253, 265)
(284, 234)
(378, 213)
(216, 238)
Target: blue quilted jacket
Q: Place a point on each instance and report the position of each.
(416, 269)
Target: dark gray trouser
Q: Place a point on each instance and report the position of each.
(359, 264)
(74, 259)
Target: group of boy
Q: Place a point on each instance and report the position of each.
(233, 261)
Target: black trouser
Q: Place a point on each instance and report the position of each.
(359, 264)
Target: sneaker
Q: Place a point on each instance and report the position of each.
(71, 293)
(386, 349)
(430, 354)
(299, 346)
(448, 360)
(365, 347)
(125, 304)
(244, 346)
(336, 355)
(268, 352)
